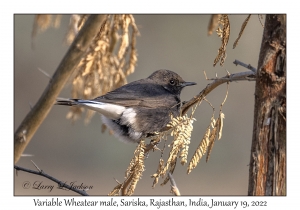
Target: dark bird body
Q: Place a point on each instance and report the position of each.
(140, 108)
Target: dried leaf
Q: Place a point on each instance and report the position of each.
(221, 117)
(116, 190)
(241, 31)
(213, 23)
(158, 172)
(200, 151)
(109, 59)
(42, 23)
(212, 138)
(135, 169)
(224, 34)
(76, 22)
(181, 128)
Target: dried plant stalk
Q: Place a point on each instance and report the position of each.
(116, 190)
(181, 128)
(224, 33)
(213, 23)
(241, 31)
(221, 115)
(213, 131)
(200, 151)
(158, 172)
(220, 128)
(135, 170)
(76, 22)
(43, 22)
(133, 173)
(111, 57)
(216, 133)
(172, 167)
(212, 138)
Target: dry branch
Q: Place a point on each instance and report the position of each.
(237, 62)
(110, 58)
(60, 183)
(39, 112)
(248, 75)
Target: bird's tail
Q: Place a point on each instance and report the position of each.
(67, 102)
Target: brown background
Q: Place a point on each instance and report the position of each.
(83, 154)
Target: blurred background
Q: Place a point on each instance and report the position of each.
(81, 154)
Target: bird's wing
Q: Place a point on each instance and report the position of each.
(141, 94)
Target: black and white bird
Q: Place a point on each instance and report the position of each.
(140, 108)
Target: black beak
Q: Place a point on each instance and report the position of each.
(187, 84)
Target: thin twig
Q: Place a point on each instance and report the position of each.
(45, 73)
(26, 155)
(126, 183)
(174, 188)
(237, 62)
(35, 165)
(209, 104)
(38, 113)
(225, 97)
(260, 17)
(30, 105)
(60, 183)
(242, 76)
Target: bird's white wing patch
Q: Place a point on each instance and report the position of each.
(128, 117)
(132, 136)
(110, 111)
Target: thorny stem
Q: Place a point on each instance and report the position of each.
(248, 75)
(61, 184)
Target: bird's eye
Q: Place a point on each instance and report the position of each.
(172, 82)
